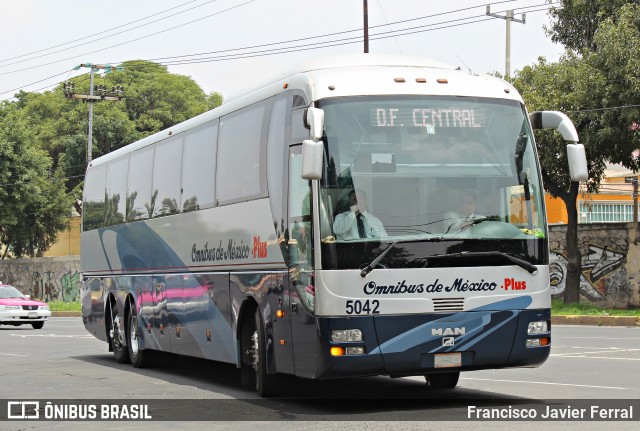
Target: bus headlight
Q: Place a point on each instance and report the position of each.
(346, 335)
(536, 328)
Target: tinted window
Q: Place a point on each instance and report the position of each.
(94, 198)
(240, 173)
(116, 191)
(276, 158)
(167, 165)
(139, 189)
(198, 172)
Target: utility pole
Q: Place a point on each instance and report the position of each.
(116, 94)
(508, 17)
(365, 7)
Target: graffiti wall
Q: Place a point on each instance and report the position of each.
(610, 263)
(47, 278)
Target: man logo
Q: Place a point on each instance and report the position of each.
(440, 332)
(448, 341)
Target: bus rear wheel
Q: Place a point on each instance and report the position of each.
(443, 380)
(139, 358)
(117, 334)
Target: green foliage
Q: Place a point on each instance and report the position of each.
(576, 22)
(558, 308)
(33, 202)
(65, 306)
(43, 144)
(596, 83)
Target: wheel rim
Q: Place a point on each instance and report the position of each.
(256, 351)
(117, 333)
(134, 335)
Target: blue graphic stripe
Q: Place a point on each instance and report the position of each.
(478, 321)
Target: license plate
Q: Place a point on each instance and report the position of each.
(447, 360)
(33, 314)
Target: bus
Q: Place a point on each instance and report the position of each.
(218, 238)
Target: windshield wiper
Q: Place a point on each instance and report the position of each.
(367, 269)
(531, 269)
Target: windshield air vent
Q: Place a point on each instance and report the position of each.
(448, 304)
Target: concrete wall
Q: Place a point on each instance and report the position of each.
(610, 263)
(46, 278)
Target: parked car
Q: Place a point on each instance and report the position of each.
(17, 309)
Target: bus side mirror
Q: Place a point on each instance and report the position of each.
(314, 121)
(576, 155)
(312, 153)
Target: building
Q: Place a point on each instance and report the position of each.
(612, 204)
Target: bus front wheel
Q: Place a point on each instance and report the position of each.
(443, 380)
(265, 383)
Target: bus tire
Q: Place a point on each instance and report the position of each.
(140, 358)
(117, 334)
(266, 384)
(443, 380)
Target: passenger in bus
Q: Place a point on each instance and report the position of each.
(465, 213)
(357, 222)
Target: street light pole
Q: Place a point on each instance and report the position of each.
(89, 139)
(116, 94)
(508, 17)
(366, 25)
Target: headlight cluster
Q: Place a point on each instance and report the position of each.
(538, 328)
(347, 336)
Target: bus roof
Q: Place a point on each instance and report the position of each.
(351, 75)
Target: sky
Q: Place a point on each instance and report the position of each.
(229, 46)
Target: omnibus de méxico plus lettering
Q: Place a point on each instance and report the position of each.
(215, 238)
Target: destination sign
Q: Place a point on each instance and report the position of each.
(430, 118)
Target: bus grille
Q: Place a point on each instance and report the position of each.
(448, 304)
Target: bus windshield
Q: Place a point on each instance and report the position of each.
(436, 174)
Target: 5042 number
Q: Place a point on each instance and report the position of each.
(362, 307)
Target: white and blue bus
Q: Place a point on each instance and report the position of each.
(218, 238)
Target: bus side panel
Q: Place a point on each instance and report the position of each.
(207, 320)
(144, 290)
(93, 307)
(267, 289)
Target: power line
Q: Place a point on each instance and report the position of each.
(305, 47)
(129, 41)
(105, 37)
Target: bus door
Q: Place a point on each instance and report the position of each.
(300, 283)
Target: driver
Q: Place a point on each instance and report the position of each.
(357, 222)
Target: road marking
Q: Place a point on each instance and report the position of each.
(599, 351)
(11, 354)
(545, 383)
(52, 336)
(602, 357)
(602, 338)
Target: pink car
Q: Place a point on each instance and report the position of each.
(16, 308)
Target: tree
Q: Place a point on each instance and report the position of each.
(574, 22)
(595, 89)
(33, 204)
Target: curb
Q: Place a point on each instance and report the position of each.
(555, 320)
(596, 320)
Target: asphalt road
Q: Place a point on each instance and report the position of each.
(62, 361)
